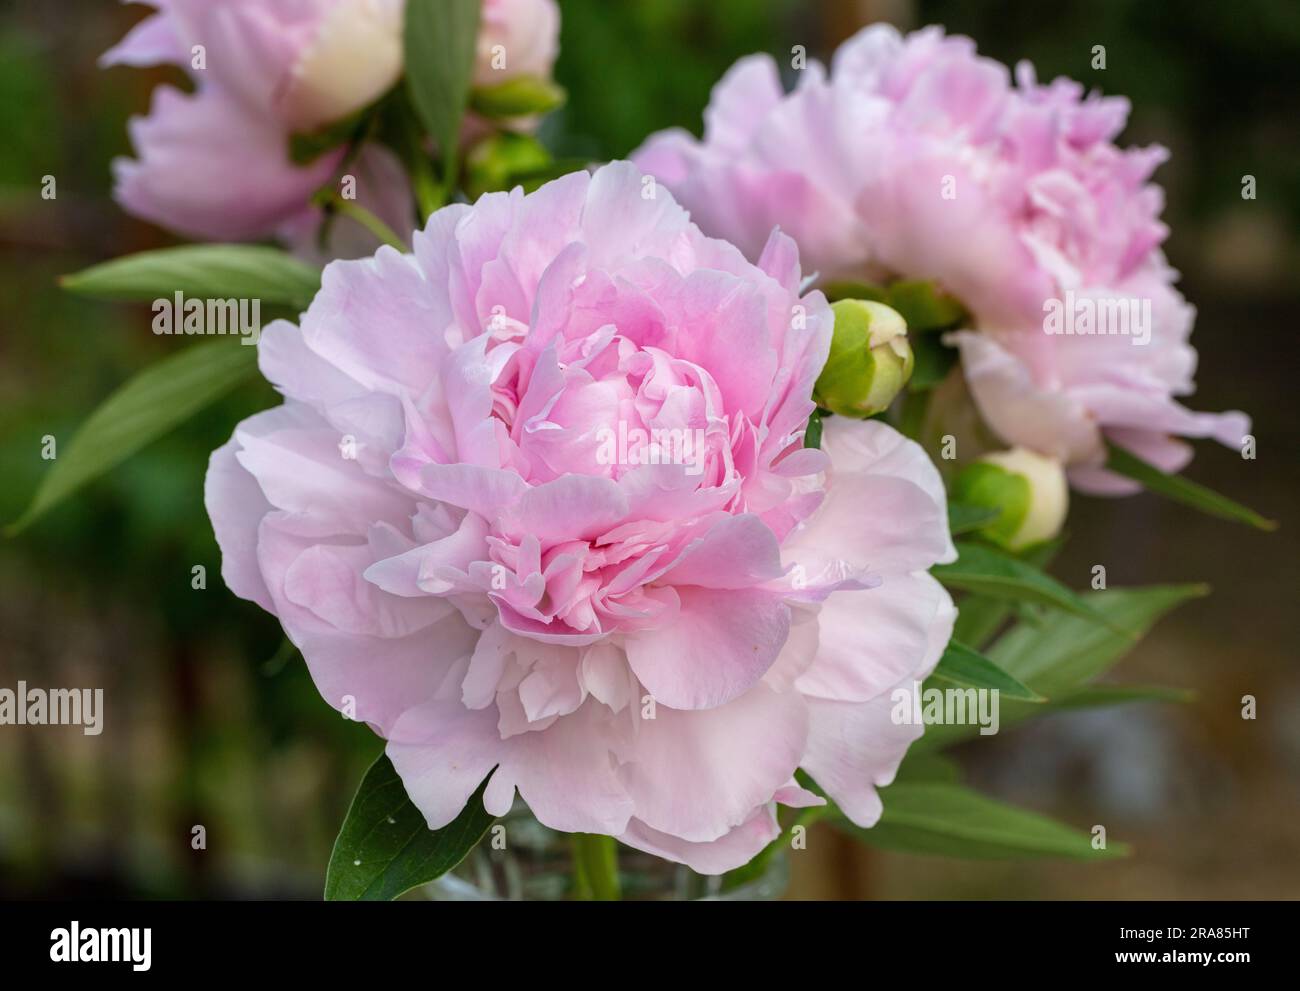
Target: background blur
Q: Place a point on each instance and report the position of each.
(208, 722)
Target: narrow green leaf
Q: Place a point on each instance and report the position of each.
(979, 617)
(1095, 696)
(386, 847)
(984, 571)
(924, 767)
(439, 43)
(953, 821)
(1067, 652)
(963, 518)
(1062, 656)
(163, 395)
(966, 668)
(201, 271)
(812, 436)
(1182, 490)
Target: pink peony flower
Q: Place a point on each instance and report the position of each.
(916, 158)
(215, 164)
(537, 505)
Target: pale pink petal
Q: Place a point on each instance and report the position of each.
(720, 645)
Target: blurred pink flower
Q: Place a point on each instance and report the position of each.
(215, 164)
(537, 500)
(916, 158)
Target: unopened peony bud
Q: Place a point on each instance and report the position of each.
(869, 362)
(1028, 488)
(354, 58)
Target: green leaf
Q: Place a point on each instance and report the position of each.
(1180, 489)
(839, 289)
(953, 821)
(1059, 658)
(812, 436)
(439, 41)
(978, 618)
(923, 306)
(924, 767)
(984, 571)
(963, 517)
(932, 361)
(148, 406)
(307, 146)
(386, 847)
(522, 96)
(1095, 696)
(201, 271)
(965, 668)
(1067, 652)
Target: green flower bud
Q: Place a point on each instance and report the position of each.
(499, 161)
(870, 359)
(522, 96)
(1028, 488)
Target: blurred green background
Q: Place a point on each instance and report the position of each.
(208, 722)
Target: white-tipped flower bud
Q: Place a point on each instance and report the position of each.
(1029, 489)
(355, 56)
(869, 362)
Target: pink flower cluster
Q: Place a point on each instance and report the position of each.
(644, 650)
(916, 158)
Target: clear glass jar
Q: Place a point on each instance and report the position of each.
(528, 862)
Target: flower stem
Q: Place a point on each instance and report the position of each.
(595, 864)
(354, 211)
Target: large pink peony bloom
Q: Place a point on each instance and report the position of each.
(215, 164)
(916, 158)
(455, 521)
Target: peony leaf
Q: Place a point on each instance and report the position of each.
(1182, 490)
(812, 436)
(385, 847)
(924, 306)
(963, 518)
(950, 820)
(1095, 696)
(933, 361)
(979, 617)
(1066, 653)
(439, 41)
(156, 400)
(1060, 658)
(965, 668)
(201, 271)
(925, 767)
(985, 571)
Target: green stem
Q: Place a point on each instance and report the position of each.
(355, 211)
(595, 864)
(429, 194)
